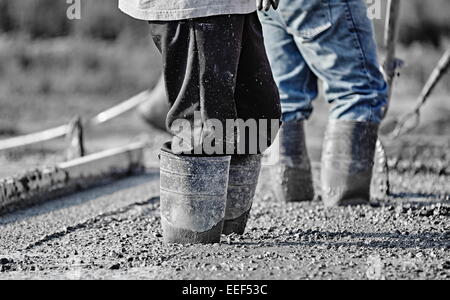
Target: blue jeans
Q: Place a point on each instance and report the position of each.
(330, 40)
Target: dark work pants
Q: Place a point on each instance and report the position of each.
(217, 68)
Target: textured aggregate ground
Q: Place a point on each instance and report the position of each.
(114, 232)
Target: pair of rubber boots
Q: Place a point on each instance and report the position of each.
(347, 157)
(205, 197)
(347, 163)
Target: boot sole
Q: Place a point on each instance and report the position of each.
(174, 235)
(236, 226)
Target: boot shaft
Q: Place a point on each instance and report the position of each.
(243, 179)
(292, 175)
(347, 162)
(193, 197)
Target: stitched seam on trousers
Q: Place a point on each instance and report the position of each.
(363, 57)
(310, 71)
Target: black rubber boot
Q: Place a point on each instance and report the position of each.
(154, 111)
(347, 162)
(193, 198)
(243, 179)
(292, 175)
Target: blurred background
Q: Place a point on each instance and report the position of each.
(52, 68)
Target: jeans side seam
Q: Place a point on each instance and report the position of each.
(363, 58)
(307, 81)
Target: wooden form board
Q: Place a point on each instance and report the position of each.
(43, 184)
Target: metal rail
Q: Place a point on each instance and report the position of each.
(63, 130)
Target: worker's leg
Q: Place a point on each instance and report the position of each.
(257, 98)
(336, 39)
(199, 72)
(296, 83)
(201, 59)
(292, 177)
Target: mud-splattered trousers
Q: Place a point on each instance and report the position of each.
(217, 68)
(331, 41)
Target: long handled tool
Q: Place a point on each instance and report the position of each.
(390, 67)
(410, 121)
(392, 63)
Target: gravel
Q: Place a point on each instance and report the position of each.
(114, 233)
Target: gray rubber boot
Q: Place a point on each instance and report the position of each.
(244, 174)
(193, 198)
(154, 111)
(347, 162)
(292, 175)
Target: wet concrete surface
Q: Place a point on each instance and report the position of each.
(113, 232)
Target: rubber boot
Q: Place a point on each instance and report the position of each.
(292, 175)
(347, 162)
(193, 197)
(244, 174)
(154, 111)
